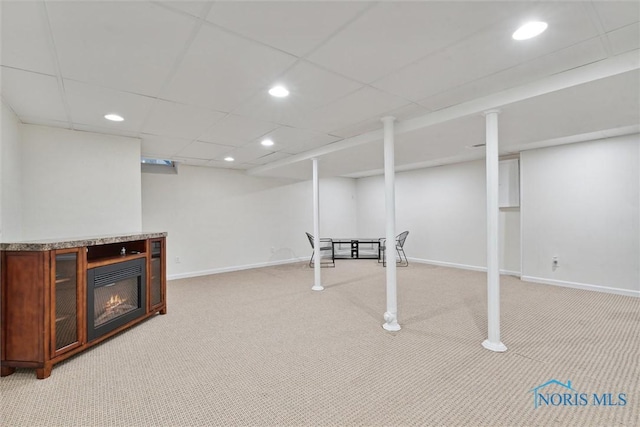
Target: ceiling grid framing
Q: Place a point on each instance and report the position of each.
(430, 64)
(176, 64)
(54, 53)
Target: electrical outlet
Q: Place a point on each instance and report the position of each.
(177, 260)
(273, 249)
(554, 262)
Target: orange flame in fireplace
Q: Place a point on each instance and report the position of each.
(113, 302)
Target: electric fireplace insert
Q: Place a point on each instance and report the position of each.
(116, 295)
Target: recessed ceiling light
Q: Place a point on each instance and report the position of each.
(229, 159)
(267, 142)
(529, 30)
(279, 91)
(114, 117)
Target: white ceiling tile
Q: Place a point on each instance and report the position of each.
(616, 14)
(88, 105)
(250, 153)
(221, 70)
(159, 147)
(236, 130)
(296, 140)
(204, 150)
(311, 144)
(270, 157)
(28, 48)
(123, 45)
(358, 106)
(625, 39)
(193, 8)
(32, 94)
(310, 87)
(178, 120)
(190, 161)
(394, 34)
(289, 138)
(294, 27)
(569, 24)
(540, 67)
(487, 53)
(421, 79)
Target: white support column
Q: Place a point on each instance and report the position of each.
(493, 343)
(391, 315)
(317, 282)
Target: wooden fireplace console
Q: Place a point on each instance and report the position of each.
(44, 295)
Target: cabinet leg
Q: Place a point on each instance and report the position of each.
(163, 311)
(44, 372)
(5, 371)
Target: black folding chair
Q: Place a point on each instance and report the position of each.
(400, 239)
(327, 257)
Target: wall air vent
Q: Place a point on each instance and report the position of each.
(149, 165)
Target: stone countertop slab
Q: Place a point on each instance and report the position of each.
(76, 242)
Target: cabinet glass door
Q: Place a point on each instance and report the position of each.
(65, 333)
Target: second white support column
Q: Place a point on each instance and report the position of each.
(493, 342)
(391, 315)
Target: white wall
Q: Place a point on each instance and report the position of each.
(221, 220)
(580, 203)
(79, 183)
(444, 209)
(509, 241)
(10, 176)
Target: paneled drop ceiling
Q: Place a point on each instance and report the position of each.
(191, 77)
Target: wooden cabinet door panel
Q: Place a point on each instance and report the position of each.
(26, 277)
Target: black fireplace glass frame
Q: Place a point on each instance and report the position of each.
(135, 268)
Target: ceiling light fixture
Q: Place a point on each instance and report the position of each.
(114, 117)
(267, 142)
(279, 91)
(229, 159)
(529, 30)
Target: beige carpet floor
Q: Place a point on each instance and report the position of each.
(259, 348)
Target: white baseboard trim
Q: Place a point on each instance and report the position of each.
(461, 266)
(584, 286)
(532, 279)
(510, 273)
(234, 268)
